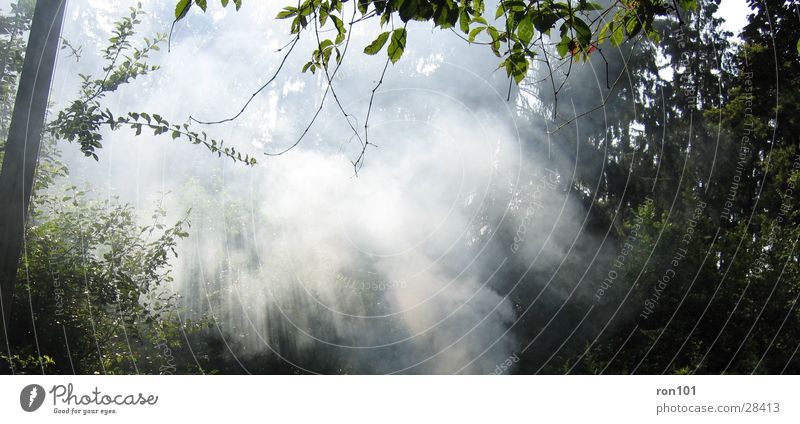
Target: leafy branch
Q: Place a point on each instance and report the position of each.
(84, 118)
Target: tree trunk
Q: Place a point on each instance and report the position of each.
(22, 147)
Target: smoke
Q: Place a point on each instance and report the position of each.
(422, 263)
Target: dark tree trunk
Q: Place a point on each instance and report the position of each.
(22, 147)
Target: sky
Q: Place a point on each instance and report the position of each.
(735, 14)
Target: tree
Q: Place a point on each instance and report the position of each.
(727, 303)
(22, 148)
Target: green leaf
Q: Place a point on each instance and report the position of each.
(397, 45)
(182, 8)
(525, 30)
(479, 6)
(514, 5)
(492, 31)
(544, 20)
(633, 24)
(339, 28)
(202, 4)
(323, 16)
(520, 75)
(377, 44)
(464, 21)
(798, 46)
(287, 12)
(474, 33)
(583, 31)
(601, 37)
(563, 46)
(617, 35)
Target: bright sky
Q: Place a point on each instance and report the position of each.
(735, 14)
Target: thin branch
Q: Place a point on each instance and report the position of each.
(330, 77)
(359, 162)
(677, 12)
(552, 81)
(480, 43)
(369, 15)
(292, 45)
(604, 13)
(324, 96)
(599, 50)
(605, 99)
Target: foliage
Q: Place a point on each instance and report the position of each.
(83, 119)
(93, 293)
(512, 33)
(12, 53)
(727, 195)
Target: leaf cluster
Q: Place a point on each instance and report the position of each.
(577, 28)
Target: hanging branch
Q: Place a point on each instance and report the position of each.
(607, 96)
(322, 61)
(83, 119)
(329, 77)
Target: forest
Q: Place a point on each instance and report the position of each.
(399, 187)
